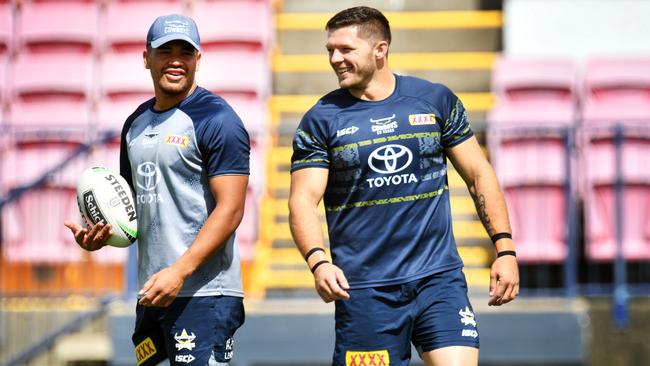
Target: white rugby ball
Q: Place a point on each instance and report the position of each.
(104, 196)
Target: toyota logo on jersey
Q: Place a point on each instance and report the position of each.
(390, 159)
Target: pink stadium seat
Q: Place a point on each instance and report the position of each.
(534, 80)
(600, 199)
(33, 228)
(52, 74)
(240, 23)
(533, 92)
(53, 24)
(235, 72)
(124, 73)
(533, 174)
(538, 219)
(27, 161)
(6, 27)
(113, 111)
(126, 22)
(252, 111)
(50, 112)
(616, 90)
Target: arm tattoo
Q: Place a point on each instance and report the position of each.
(479, 201)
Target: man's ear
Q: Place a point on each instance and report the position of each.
(145, 58)
(198, 61)
(381, 49)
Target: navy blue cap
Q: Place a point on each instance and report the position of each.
(173, 27)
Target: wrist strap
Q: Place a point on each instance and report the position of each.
(313, 269)
(312, 251)
(507, 252)
(498, 236)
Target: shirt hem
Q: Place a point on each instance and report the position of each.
(402, 280)
(212, 293)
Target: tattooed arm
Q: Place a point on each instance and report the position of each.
(476, 171)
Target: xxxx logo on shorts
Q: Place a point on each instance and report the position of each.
(145, 350)
(367, 358)
(178, 140)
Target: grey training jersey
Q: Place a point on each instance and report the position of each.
(168, 157)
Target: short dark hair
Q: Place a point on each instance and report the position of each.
(371, 22)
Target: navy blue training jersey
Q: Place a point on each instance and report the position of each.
(387, 199)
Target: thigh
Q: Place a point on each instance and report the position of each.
(200, 330)
(445, 316)
(451, 356)
(373, 328)
(148, 338)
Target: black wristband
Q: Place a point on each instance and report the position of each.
(312, 251)
(313, 269)
(498, 236)
(506, 252)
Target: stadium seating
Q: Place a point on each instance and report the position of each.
(124, 85)
(125, 23)
(51, 90)
(235, 72)
(533, 93)
(6, 27)
(228, 23)
(616, 90)
(33, 228)
(616, 95)
(50, 25)
(27, 160)
(528, 127)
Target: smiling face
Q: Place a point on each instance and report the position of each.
(352, 58)
(173, 66)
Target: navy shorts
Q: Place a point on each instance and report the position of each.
(377, 325)
(191, 331)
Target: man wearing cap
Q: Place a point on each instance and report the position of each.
(185, 154)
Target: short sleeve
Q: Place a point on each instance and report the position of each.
(309, 147)
(225, 144)
(456, 128)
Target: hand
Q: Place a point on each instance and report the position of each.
(504, 280)
(90, 240)
(162, 288)
(331, 283)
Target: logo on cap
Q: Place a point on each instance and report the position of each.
(177, 26)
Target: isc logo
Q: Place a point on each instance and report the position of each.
(184, 358)
(347, 131)
(469, 333)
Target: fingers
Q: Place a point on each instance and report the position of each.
(506, 291)
(331, 283)
(96, 237)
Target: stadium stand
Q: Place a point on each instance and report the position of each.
(529, 127)
(32, 230)
(616, 116)
(124, 23)
(6, 27)
(48, 24)
(234, 23)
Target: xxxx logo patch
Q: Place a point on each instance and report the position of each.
(178, 140)
(145, 350)
(367, 358)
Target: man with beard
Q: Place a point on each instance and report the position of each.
(185, 154)
(376, 150)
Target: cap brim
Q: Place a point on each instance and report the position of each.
(174, 37)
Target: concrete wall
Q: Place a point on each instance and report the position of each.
(576, 28)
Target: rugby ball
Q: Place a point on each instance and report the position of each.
(104, 196)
